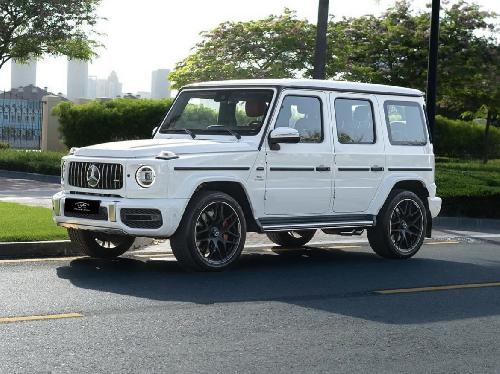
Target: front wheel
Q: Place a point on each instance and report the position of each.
(291, 238)
(211, 234)
(401, 226)
(100, 245)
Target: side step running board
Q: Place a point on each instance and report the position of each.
(316, 222)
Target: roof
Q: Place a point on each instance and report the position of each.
(30, 92)
(330, 85)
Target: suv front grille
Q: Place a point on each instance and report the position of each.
(106, 177)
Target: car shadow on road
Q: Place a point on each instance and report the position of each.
(331, 280)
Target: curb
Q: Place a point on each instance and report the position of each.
(54, 248)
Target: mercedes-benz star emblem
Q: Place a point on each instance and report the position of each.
(93, 176)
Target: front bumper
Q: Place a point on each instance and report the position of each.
(171, 212)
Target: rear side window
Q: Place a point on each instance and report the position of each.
(355, 123)
(405, 123)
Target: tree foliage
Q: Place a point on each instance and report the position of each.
(273, 47)
(390, 49)
(32, 28)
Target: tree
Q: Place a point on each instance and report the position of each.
(273, 47)
(32, 28)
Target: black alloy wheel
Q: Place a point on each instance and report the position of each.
(217, 233)
(211, 234)
(407, 225)
(401, 226)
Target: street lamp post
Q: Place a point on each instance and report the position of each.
(321, 43)
(432, 65)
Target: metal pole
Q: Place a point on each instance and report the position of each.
(432, 65)
(320, 52)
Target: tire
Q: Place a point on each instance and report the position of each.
(401, 226)
(291, 238)
(211, 234)
(99, 245)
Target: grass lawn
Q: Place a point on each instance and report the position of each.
(26, 223)
(48, 163)
(467, 178)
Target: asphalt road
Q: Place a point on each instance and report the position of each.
(336, 308)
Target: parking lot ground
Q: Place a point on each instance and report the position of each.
(330, 307)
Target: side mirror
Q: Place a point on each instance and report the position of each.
(154, 131)
(283, 135)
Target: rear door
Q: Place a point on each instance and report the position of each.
(299, 176)
(359, 151)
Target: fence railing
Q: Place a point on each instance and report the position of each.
(20, 122)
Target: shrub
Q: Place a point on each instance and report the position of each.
(4, 145)
(31, 161)
(454, 138)
(104, 121)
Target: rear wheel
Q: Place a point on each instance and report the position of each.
(211, 234)
(291, 238)
(401, 226)
(100, 245)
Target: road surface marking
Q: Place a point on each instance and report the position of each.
(438, 288)
(444, 242)
(49, 259)
(39, 318)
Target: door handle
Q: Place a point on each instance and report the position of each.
(322, 168)
(377, 168)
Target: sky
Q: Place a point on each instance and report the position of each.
(151, 34)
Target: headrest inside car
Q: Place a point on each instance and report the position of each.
(255, 108)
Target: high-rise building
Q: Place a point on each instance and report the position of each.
(77, 83)
(22, 75)
(104, 88)
(92, 87)
(160, 85)
(114, 88)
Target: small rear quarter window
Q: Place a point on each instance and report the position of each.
(405, 123)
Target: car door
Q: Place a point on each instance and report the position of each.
(359, 151)
(299, 176)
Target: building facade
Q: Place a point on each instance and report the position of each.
(77, 82)
(160, 85)
(22, 75)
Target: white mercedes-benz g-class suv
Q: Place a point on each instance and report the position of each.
(280, 157)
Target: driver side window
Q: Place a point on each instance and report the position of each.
(303, 113)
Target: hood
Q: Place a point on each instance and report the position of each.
(152, 147)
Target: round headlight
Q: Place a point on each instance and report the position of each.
(145, 176)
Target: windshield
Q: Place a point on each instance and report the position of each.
(242, 111)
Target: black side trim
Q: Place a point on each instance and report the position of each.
(409, 169)
(377, 168)
(291, 169)
(260, 168)
(211, 168)
(354, 169)
(315, 219)
(323, 168)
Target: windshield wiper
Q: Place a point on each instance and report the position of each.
(232, 132)
(191, 134)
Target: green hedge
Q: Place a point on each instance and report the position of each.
(105, 121)
(463, 139)
(48, 163)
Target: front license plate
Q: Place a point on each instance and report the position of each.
(82, 206)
